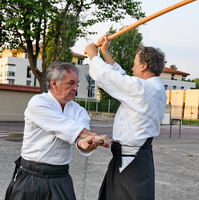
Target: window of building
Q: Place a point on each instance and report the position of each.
(91, 87)
(182, 88)
(174, 87)
(28, 72)
(80, 62)
(172, 76)
(165, 87)
(10, 64)
(11, 73)
(28, 82)
(91, 92)
(11, 81)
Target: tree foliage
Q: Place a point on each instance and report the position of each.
(123, 50)
(51, 27)
(173, 67)
(196, 80)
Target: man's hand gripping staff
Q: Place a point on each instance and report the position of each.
(89, 141)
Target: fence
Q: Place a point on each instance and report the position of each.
(108, 106)
(185, 113)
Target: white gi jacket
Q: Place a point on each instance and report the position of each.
(50, 132)
(142, 104)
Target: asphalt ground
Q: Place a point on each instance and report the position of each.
(176, 162)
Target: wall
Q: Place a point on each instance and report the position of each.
(83, 84)
(3, 69)
(168, 76)
(184, 103)
(178, 84)
(178, 77)
(14, 102)
(177, 101)
(165, 75)
(191, 104)
(21, 70)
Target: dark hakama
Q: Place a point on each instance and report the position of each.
(40, 181)
(135, 182)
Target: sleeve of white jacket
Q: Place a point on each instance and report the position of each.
(114, 80)
(43, 115)
(118, 68)
(82, 117)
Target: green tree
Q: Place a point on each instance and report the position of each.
(62, 34)
(173, 67)
(123, 50)
(197, 82)
(50, 27)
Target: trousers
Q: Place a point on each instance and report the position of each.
(40, 181)
(135, 182)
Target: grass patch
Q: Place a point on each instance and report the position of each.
(15, 135)
(190, 122)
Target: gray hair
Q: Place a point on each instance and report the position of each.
(56, 71)
(153, 57)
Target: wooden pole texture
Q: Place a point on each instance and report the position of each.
(150, 17)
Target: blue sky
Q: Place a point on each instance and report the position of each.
(175, 33)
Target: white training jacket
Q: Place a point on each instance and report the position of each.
(142, 103)
(49, 131)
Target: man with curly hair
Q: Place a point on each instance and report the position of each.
(130, 174)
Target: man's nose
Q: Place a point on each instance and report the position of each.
(75, 87)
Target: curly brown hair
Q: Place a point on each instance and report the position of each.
(153, 57)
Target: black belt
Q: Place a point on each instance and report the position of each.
(42, 169)
(116, 149)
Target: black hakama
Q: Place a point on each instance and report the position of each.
(135, 182)
(40, 181)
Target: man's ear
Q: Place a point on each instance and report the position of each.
(53, 83)
(143, 67)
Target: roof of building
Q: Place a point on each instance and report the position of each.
(22, 88)
(78, 55)
(174, 71)
(21, 50)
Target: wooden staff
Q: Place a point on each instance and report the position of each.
(100, 142)
(150, 17)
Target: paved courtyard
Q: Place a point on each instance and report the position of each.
(176, 163)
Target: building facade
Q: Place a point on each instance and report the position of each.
(174, 79)
(15, 69)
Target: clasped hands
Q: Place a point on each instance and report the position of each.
(89, 141)
(92, 49)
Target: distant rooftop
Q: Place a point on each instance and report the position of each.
(175, 71)
(22, 88)
(78, 55)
